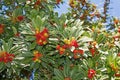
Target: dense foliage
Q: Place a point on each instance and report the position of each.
(35, 42)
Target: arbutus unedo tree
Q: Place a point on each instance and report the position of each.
(36, 43)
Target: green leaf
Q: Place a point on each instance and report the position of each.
(77, 76)
(8, 65)
(5, 46)
(86, 34)
(51, 61)
(33, 45)
(10, 43)
(18, 11)
(14, 29)
(101, 38)
(21, 1)
(85, 39)
(32, 65)
(30, 38)
(95, 35)
(74, 70)
(1, 66)
(59, 74)
(90, 63)
(66, 70)
(15, 49)
(38, 22)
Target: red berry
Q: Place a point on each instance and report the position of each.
(118, 54)
(119, 30)
(6, 57)
(17, 34)
(74, 43)
(67, 78)
(116, 21)
(117, 75)
(20, 18)
(91, 73)
(61, 52)
(1, 28)
(75, 56)
(65, 25)
(92, 51)
(75, 51)
(58, 47)
(37, 2)
(41, 37)
(81, 51)
(115, 37)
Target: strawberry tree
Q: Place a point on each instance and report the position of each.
(36, 43)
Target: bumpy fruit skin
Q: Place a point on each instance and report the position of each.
(77, 52)
(17, 34)
(37, 56)
(6, 57)
(117, 75)
(118, 54)
(113, 67)
(74, 43)
(115, 37)
(37, 2)
(67, 78)
(119, 30)
(1, 28)
(71, 42)
(116, 21)
(20, 18)
(61, 49)
(91, 73)
(92, 51)
(41, 37)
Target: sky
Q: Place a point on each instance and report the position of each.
(113, 11)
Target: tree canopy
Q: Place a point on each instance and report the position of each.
(36, 43)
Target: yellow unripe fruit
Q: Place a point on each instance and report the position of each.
(44, 42)
(73, 38)
(46, 34)
(62, 49)
(65, 40)
(68, 42)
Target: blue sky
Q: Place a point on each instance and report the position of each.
(113, 11)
